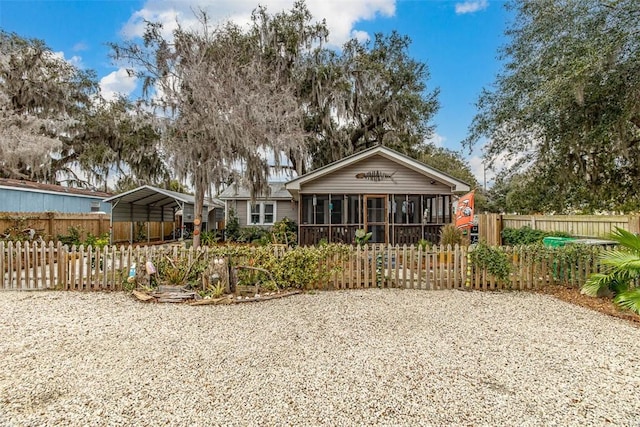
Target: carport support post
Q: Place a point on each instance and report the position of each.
(148, 220)
(131, 222)
(162, 225)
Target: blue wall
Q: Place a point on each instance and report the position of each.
(31, 201)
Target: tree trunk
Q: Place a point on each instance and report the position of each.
(197, 210)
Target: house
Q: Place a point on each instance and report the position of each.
(395, 197)
(28, 196)
(265, 211)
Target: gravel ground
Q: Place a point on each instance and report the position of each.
(372, 357)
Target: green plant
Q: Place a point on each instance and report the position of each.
(253, 234)
(97, 241)
(285, 232)
(527, 235)
(232, 230)
(181, 271)
(450, 235)
(208, 238)
(72, 238)
(423, 244)
(362, 237)
(491, 259)
(622, 270)
(141, 231)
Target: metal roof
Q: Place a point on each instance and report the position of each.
(277, 191)
(147, 203)
(23, 185)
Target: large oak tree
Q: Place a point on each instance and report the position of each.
(567, 104)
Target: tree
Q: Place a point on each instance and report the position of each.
(622, 269)
(449, 162)
(370, 93)
(117, 139)
(42, 98)
(566, 102)
(365, 94)
(225, 106)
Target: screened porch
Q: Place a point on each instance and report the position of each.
(391, 218)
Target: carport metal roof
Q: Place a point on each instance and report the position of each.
(152, 204)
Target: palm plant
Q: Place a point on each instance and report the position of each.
(622, 268)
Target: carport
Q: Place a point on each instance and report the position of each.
(151, 204)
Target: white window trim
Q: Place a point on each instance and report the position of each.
(262, 212)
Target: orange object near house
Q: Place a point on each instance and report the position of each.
(465, 210)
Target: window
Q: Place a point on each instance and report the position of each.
(95, 206)
(261, 213)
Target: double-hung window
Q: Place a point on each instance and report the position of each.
(261, 213)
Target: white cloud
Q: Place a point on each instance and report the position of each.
(117, 83)
(483, 175)
(471, 6)
(437, 140)
(341, 16)
(78, 47)
(361, 36)
(75, 60)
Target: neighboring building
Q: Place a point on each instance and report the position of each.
(27, 196)
(396, 198)
(151, 204)
(265, 211)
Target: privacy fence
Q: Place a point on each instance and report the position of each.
(50, 225)
(490, 226)
(33, 266)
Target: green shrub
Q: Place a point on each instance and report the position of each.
(232, 230)
(285, 232)
(362, 237)
(208, 238)
(301, 267)
(97, 241)
(527, 235)
(70, 239)
(254, 234)
(491, 259)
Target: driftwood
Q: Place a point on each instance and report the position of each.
(142, 296)
(268, 297)
(214, 301)
(166, 294)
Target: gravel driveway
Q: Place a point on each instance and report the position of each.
(381, 357)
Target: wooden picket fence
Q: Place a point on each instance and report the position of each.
(33, 266)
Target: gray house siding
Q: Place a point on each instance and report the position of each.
(284, 209)
(403, 180)
(33, 201)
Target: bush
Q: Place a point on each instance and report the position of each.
(285, 232)
(526, 236)
(491, 259)
(208, 238)
(254, 234)
(97, 241)
(232, 230)
(302, 267)
(70, 239)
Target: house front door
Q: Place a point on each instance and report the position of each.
(375, 218)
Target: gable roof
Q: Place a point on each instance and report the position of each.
(154, 196)
(456, 185)
(38, 187)
(277, 191)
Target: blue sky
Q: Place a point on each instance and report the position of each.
(459, 40)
